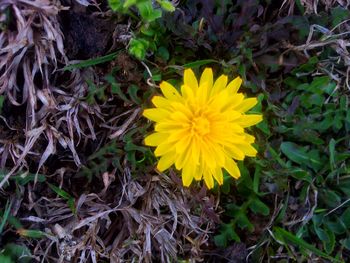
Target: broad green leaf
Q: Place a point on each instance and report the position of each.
(243, 222)
(138, 47)
(227, 233)
(258, 207)
(132, 91)
(345, 242)
(5, 259)
(115, 88)
(339, 14)
(166, 5)
(300, 155)
(330, 197)
(329, 246)
(129, 3)
(115, 4)
(147, 11)
(19, 253)
(345, 217)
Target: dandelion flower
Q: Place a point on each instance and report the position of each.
(200, 130)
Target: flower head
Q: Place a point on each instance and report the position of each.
(201, 128)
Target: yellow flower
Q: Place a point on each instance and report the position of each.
(201, 129)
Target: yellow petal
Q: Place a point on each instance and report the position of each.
(208, 179)
(234, 85)
(232, 168)
(202, 93)
(234, 152)
(233, 102)
(177, 135)
(217, 173)
(183, 144)
(249, 120)
(182, 159)
(168, 127)
(187, 92)
(163, 149)
(178, 106)
(199, 171)
(219, 85)
(188, 174)
(166, 161)
(179, 117)
(249, 138)
(207, 77)
(156, 115)
(190, 79)
(195, 151)
(208, 158)
(246, 104)
(248, 149)
(230, 115)
(216, 151)
(169, 91)
(161, 102)
(156, 138)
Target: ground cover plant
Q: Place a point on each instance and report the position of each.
(79, 81)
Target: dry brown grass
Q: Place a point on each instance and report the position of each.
(126, 219)
(312, 6)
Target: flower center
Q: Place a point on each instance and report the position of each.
(200, 126)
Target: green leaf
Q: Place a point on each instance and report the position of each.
(301, 174)
(307, 67)
(345, 217)
(345, 242)
(227, 233)
(115, 4)
(138, 47)
(20, 254)
(166, 5)
(258, 207)
(129, 3)
(300, 155)
(243, 222)
(163, 53)
(338, 227)
(5, 259)
(330, 197)
(329, 246)
(115, 88)
(132, 91)
(339, 14)
(147, 11)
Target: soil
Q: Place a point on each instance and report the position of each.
(86, 34)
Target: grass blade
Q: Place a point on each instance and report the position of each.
(92, 62)
(289, 238)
